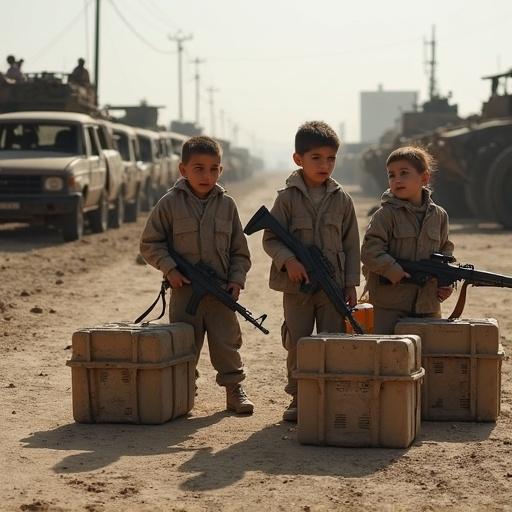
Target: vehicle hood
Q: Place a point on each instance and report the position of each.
(37, 161)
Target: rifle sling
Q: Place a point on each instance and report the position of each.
(161, 294)
(461, 302)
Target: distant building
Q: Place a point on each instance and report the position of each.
(381, 111)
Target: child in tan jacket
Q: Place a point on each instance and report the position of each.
(201, 223)
(408, 225)
(315, 208)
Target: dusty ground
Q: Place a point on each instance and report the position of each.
(212, 460)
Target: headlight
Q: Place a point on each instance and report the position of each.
(53, 184)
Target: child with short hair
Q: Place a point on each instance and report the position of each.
(201, 223)
(410, 226)
(315, 208)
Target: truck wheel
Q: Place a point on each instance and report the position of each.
(499, 188)
(72, 225)
(475, 188)
(98, 219)
(147, 198)
(131, 210)
(116, 215)
(447, 193)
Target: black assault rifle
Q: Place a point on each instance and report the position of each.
(318, 268)
(205, 281)
(441, 267)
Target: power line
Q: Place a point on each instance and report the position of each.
(168, 20)
(147, 15)
(57, 37)
(86, 18)
(136, 33)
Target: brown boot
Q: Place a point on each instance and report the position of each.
(237, 400)
(290, 413)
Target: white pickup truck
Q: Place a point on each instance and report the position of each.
(59, 168)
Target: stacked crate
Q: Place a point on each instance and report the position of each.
(128, 373)
(359, 390)
(462, 361)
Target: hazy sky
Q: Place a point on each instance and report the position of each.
(275, 63)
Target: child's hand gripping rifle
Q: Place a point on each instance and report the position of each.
(317, 268)
(441, 267)
(205, 281)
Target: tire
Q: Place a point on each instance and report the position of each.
(72, 225)
(448, 194)
(98, 219)
(116, 215)
(476, 187)
(499, 188)
(131, 210)
(147, 198)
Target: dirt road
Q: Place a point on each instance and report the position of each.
(212, 460)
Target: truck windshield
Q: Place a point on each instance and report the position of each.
(40, 136)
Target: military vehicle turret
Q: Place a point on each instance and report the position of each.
(47, 92)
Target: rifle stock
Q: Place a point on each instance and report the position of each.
(319, 272)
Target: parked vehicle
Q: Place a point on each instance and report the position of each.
(134, 174)
(115, 184)
(174, 142)
(169, 163)
(151, 162)
(52, 169)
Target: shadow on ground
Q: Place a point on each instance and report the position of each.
(103, 444)
(274, 450)
(21, 237)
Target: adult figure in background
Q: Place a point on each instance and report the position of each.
(13, 73)
(80, 75)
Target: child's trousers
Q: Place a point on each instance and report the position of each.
(301, 311)
(222, 328)
(386, 319)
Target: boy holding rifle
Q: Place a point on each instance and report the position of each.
(315, 209)
(201, 223)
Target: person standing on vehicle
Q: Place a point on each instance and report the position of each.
(14, 73)
(80, 75)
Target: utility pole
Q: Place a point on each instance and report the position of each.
(97, 52)
(432, 85)
(197, 61)
(222, 124)
(211, 91)
(236, 129)
(180, 38)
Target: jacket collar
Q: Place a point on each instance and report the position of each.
(296, 180)
(389, 198)
(182, 184)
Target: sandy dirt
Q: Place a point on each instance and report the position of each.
(212, 460)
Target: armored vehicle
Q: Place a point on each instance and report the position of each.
(475, 159)
(415, 126)
(47, 91)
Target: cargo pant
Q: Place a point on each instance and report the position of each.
(301, 312)
(386, 319)
(222, 328)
